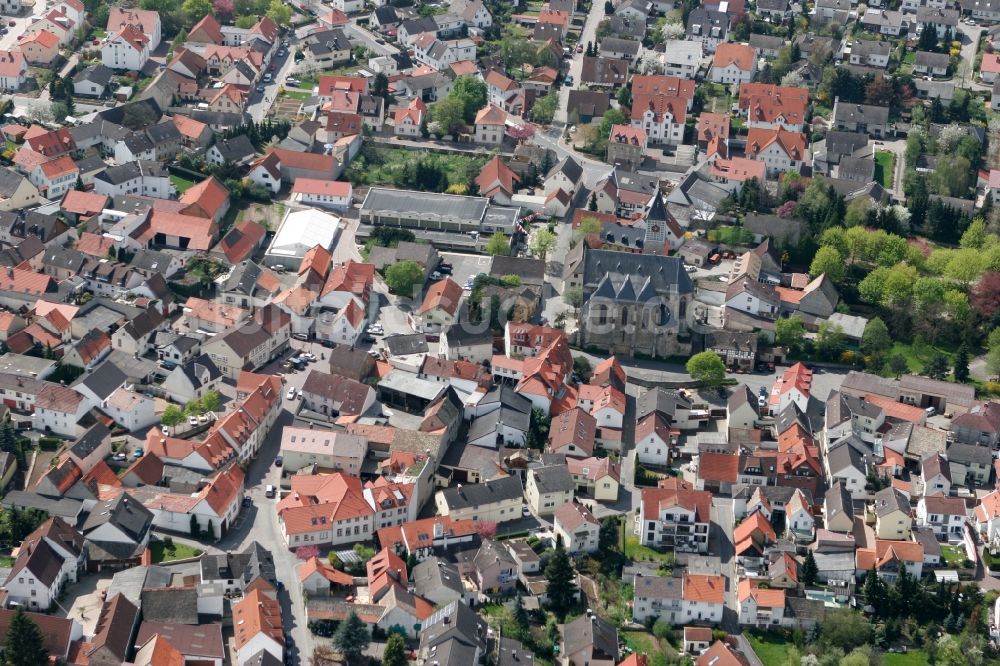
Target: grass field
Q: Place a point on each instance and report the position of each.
(299, 95)
(177, 551)
(953, 556)
(381, 164)
(911, 658)
(885, 168)
(770, 648)
(916, 359)
(182, 184)
(636, 552)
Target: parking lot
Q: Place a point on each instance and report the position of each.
(466, 266)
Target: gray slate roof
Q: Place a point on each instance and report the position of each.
(473, 495)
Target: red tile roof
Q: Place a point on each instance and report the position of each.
(443, 295)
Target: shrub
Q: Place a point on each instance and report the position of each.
(49, 443)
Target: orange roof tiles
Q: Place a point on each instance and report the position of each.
(718, 467)
(742, 56)
(491, 115)
(675, 492)
(207, 197)
(258, 612)
(83, 203)
(897, 410)
(443, 295)
(765, 598)
(704, 588)
(496, 175)
(660, 84)
(793, 144)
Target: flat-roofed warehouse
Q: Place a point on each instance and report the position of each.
(436, 212)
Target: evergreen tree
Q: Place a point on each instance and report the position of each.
(962, 363)
(352, 637)
(23, 645)
(8, 438)
(395, 651)
(520, 614)
(874, 591)
(195, 529)
(562, 582)
(809, 570)
(592, 205)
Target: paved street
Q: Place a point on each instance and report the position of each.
(260, 102)
(721, 544)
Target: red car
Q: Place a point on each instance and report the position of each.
(12, 24)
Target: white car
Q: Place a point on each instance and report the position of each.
(436, 275)
(291, 394)
(165, 430)
(192, 420)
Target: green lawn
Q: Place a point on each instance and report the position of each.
(911, 658)
(953, 555)
(770, 648)
(640, 641)
(910, 57)
(6, 561)
(178, 551)
(636, 552)
(182, 184)
(915, 359)
(885, 168)
(296, 94)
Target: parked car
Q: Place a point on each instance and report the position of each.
(278, 460)
(247, 500)
(165, 430)
(192, 420)
(436, 275)
(301, 336)
(269, 491)
(291, 393)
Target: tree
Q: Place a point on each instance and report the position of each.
(829, 340)
(562, 582)
(937, 367)
(875, 339)
(828, 260)
(224, 10)
(210, 402)
(24, 644)
(538, 429)
(928, 40)
(172, 415)
(195, 10)
(545, 108)
(581, 366)
(707, 368)
(592, 204)
(809, 570)
(961, 366)
(986, 295)
(8, 437)
(498, 244)
(542, 241)
(790, 332)
(403, 276)
(306, 552)
(352, 637)
(846, 629)
(472, 93)
(898, 364)
(520, 615)
(395, 651)
(279, 12)
(573, 296)
(449, 115)
(486, 529)
(195, 527)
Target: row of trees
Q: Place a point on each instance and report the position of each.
(208, 403)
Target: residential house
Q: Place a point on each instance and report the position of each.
(577, 527)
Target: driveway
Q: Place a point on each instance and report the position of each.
(969, 34)
(589, 34)
(721, 543)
